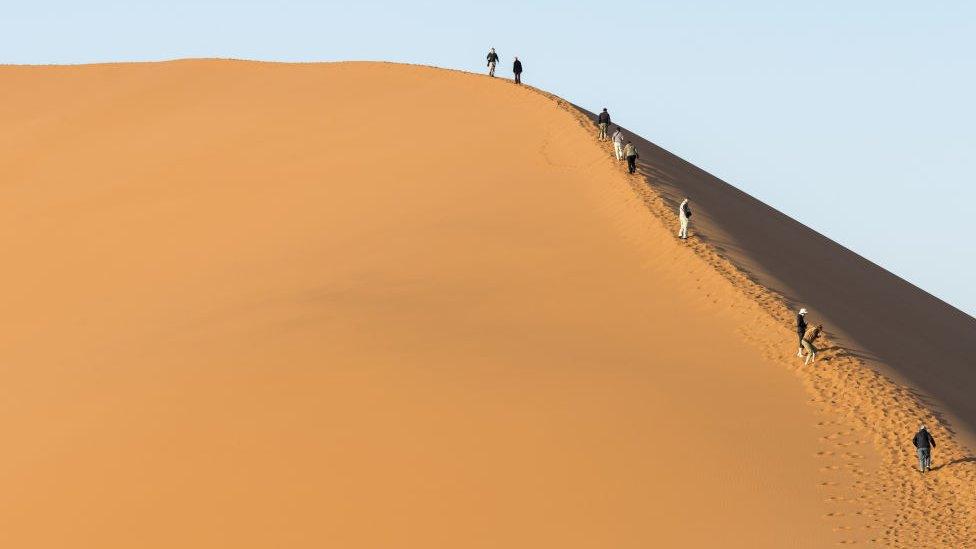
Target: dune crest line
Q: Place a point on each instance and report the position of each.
(905, 508)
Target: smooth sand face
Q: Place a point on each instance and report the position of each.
(367, 305)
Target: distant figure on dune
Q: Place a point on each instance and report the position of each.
(618, 143)
(603, 121)
(492, 61)
(630, 151)
(801, 328)
(684, 216)
(924, 443)
(517, 69)
(807, 343)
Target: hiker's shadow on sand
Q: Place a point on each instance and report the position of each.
(844, 352)
(955, 462)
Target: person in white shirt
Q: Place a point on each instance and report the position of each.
(618, 143)
(684, 215)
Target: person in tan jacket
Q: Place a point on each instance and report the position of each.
(807, 342)
(630, 151)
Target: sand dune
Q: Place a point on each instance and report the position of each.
(376, 305)
(892, 325)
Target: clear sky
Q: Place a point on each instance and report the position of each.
(855, 117)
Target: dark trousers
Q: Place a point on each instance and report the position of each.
(518, 78)
(631, 164)
(924, 458)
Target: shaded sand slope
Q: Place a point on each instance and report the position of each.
(755, 249)
(372, 305)
(894, 326)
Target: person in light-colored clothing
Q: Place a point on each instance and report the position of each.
(684, 215)
(618, 143)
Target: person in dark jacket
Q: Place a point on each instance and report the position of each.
(517, 69)
(492, 61)
(924, 443)
(630, 151)
(801, 328)
(603, 121)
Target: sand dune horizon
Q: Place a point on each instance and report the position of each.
(339, 304)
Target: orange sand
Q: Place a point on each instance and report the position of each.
(374, 305)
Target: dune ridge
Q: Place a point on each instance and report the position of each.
(909, 509)
(939, 506)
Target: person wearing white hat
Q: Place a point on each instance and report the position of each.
(801, 328)
(924, 443)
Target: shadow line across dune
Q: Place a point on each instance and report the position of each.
(893, 326)
(955, 462)
(894, 356)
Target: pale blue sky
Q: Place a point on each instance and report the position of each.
(854, 117)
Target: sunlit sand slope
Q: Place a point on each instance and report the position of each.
(374, 305)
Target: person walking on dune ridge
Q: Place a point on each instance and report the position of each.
(630, 151)
(801, 328)
(924, 443)
(492, 61)
(807, 343)
(603, 121)
(618, 143)
(684, 216)
(517, 69)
